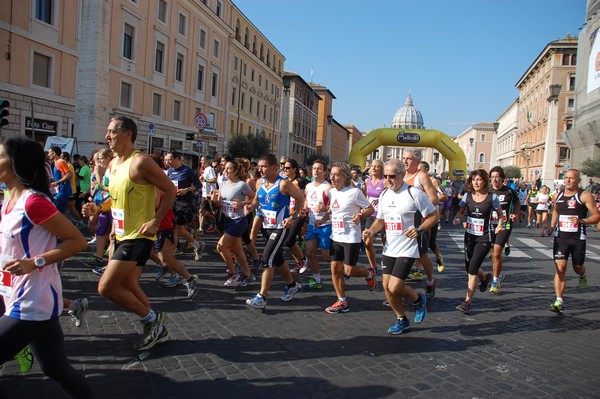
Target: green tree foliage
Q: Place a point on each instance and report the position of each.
(512, 172)
(249, 146)
(591, 167)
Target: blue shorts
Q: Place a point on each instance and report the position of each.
(322, 233)
(236, 227)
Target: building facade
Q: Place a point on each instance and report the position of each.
(583, 137)
(300, 106)
(40, 42)
(504, 141)
(546, 103)
(476, 142)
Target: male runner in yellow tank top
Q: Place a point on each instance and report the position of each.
(133, 179)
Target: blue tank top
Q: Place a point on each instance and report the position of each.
(274, 205)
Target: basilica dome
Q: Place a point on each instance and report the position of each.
(408, 117)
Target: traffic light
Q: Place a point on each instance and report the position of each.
(4, 104)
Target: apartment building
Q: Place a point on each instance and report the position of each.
(504, 141)
(40, 43)
(300, 107)
(546, 102)
(476, 142)
(254, 82)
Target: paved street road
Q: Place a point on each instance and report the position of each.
(511, 346)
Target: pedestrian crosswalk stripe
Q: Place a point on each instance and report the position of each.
(533, 244)
(514, 252)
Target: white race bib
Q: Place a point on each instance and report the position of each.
(6, 282)
(228, 208)
(475, 226)
(393, 226)
(118, 216)
(337, 223)
(270, 219)
(565, 224)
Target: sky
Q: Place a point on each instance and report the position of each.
(459, 59)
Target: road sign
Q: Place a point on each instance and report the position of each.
(537, 171)
(151, 129)
(209, 131)
(200, 121)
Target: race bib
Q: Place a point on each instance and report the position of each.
(118, 216)
(228, 208)
(292, 204)
(315, 209)
(495, 216)
(565, 224)
(6, 278)
(270, 219)
(337, 223)
(475, 226)
(393, 225)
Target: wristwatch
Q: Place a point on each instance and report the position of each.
(39, 261)
(419, 230)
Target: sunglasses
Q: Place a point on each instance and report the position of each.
(287, 168)
(389, 176)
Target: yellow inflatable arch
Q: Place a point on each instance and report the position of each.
(410, 138)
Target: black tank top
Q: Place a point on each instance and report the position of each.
(479, 215)
(568, 207)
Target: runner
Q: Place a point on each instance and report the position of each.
(30, 252)
(522, 193)
(348, 207)
(372, 189)
(510, 211)
(414, 177)
(133, 178)
(543, 200)
(318, 235)
(272, 199)
(569, 220)
(479, 204)
(401, 210)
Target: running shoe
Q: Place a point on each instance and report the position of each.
(496, 285)
(232, 281)
(192, 286)
(211, 229)
(173, 281)
(399, 327)
(92, 241)
(440, 264)
(178, 252)
(99, 271)
(421, 308)
(507, 250)
(198, 251)
(386, 303)
(303, 266)
(416, 274)
(95, 262)
(312, 284)
(528, 225)
(430, 289)
(25, 359)
(160, 272)
(583, 282)
(483, 284)
(257, 302)
(154, 333)
(80, 307)
(338, 307)
(557, 307)
(245, 280)
(543, 232)
(296, 269)
(289, 293)
(464, 307)
(372, 282)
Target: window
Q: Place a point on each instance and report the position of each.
(233, 95)
(570, 103)
(202, 38)
(159, 57)
(244, 69)
(181, 27)
(218, 9)
(571, 83)
(216, 49)
(566, 59)
(162, 11)
(243, 101)
(481, 157)
(125, 95)
(176, 145)
(128, 33)
(252, 75)
(179, 68)
(235, 63)
(258, 109)
(156, 104)
(41, 70)
(563, 153)
(483, 137)
(200, 83)
(251, 106)
(43, 10)
(215, 83)
(176, 110)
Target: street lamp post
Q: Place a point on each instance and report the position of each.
(284, 141)
(328, 137)
(550, 153)
(472, 141)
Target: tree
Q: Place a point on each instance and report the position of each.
(512, 172)
(591, 167)
(249, 146)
